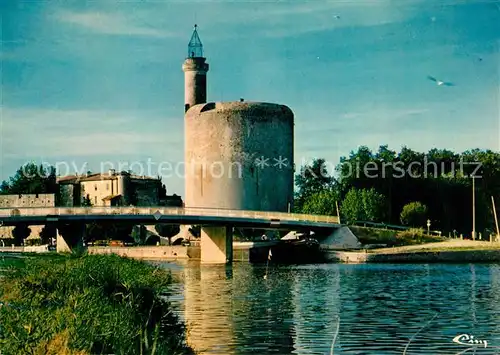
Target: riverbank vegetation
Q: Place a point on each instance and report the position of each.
(393, 238)
(404, 188)
(88, 304)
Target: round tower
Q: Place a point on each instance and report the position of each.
(195, 73)
(239, 155)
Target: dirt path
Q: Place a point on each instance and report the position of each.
(450, 244)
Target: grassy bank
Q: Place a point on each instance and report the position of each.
(393, 238)
(450, 245)
(90, 304)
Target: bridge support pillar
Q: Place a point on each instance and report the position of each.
(216, 245)
(70, 237)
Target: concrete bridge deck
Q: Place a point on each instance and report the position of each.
(216, 231)
(154, 215)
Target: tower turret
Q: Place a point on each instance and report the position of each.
(195, 73)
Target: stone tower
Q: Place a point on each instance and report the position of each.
(195, 73)
(238, 155)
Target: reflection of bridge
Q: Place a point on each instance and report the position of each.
(216, 232)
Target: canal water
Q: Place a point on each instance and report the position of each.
(340, 308)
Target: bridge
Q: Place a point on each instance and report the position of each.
(216, 224)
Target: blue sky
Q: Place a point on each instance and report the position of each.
(101, 81)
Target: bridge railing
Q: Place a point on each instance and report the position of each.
(189, 211)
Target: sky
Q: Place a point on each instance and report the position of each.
(99, 84)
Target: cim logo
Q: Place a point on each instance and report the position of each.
(466, 339)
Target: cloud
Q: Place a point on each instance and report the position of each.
(373, 120)
(32, 133)
(279, 20)
(111, 24)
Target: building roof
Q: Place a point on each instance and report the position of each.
(72, 179)
(195, 48)
(111, 197)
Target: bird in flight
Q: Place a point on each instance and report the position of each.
(439, 82)
(337, 17)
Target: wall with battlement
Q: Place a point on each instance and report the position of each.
(27, 200)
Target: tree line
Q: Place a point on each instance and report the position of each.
(405, 187)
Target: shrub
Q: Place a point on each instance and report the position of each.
(415, 236)
(369, 235)
(90, 304)
(413, 214)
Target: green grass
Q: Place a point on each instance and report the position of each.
(87, 304)
(442, 249)
(369, 235)
(9, 261)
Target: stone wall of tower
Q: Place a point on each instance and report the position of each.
(195, 82)
(224, 143)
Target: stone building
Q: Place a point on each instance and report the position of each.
(110, 189)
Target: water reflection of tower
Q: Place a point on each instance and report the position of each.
(241, 314)
(208, 311)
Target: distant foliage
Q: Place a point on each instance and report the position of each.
(374, 205)
(440, 179)
(363, 205)
(142, 236)
(414, 214)
(322, 203)
(109, 231)
(352, 207)
(20, 233)
(86, 202)
(415, 236)
(167, 230)
(311, 179)
(195, 230)
(64, 198)
(48, 232)
(31, 179)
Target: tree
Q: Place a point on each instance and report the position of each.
(167, 230)
(195, 230)
(49, 231)
(64, 197)
(414, 214)
(322, 203)
(86, 202)
(374, 205)
(363, 205)
(20, 233)
(162, 192)
(85, 199)
(352, 207)
(311, 179)
(109, 231)
(31, 179)
(140, 235)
